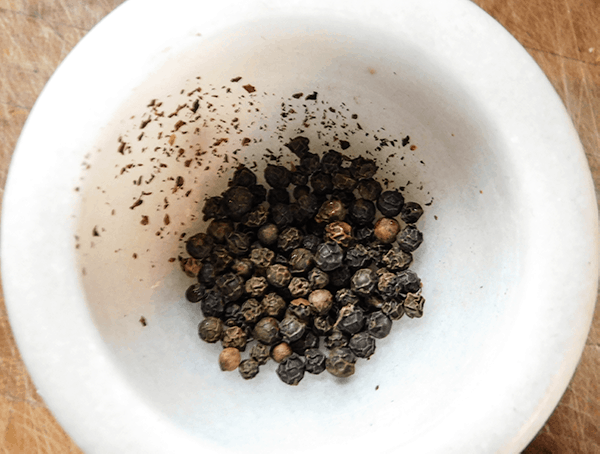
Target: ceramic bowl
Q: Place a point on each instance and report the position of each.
(152, 112)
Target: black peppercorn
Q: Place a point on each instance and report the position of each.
(278, 275)
(231, 286)
(299, 176)
(393, 308)
(311, 242)
(390, 203)
(291, 370)
(362, 168)
(267, 331)
(362, 212)
(308, 204)
(378, 324)
(320, 301)
(310, 163)
(340, 232)
(322, 325)
(309, 340)
(411, 212)
(346, 296)
(408, 282)
(237, 201)
(234, 336)
(260, 353)
(232, 315)
(331, 162)
(340, 277)
(351, 319)
(364, 281)
(318, 278)
(299, 308)
(256, 286)
(274, 305)
(238, 243)
(259, 192)
(289, 239)
(220, 258)
(397, 260)
(387, 285)
(321, 183)
(212, 304)
(413, 305)
(336, 339)
(218, 229)
(299, 287)
(357, 256)
(191, 267)
(256, 217)
(281, 259)
(278, 195)
(195, 292)
(277, 176)
(248, 369)
(314, 361)
(301, 260)
(363, 234)
(330, 211)
(281, 215)
(262, 258)
(347, 198)
(362, 345)
(340, 362)
(291, 329)
(207, 275)
(213, 208)
(369, 189)
(329, 256)
(252, 310)
(243, 267)
(301, 190)
(343, 181)
(410, 238)
(374, 302)
(199, 246)
(210, 329)
(243, 176)
(298, 146)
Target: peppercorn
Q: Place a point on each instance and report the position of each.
(232, 315)
(207, 275)
(281, 259)
(210, 329)
(413, 305)
(314, 361)
(268, 234)
(362, 168)
(262, 257)
(281, 214)
(330, 211)
(299, 287)
(218, 229)
(331, 162)
(234, 336)
(291, 370)
(281, 351)
(199, 246)
(313, 227)
(260, 353)
(256, 286)
(321, 183)
(274, 305)
(340, 232)
(336, 339)
(301, 190)
(386, 230)
(363, 234)
(299, 176)
(322, 325)
(289, 239)
(252, 310)
(411, 212)
(408, 282)
(310, 163)
(301, 260)
(340, 362)
(212, 304)
(346, 296)
(229, 359)
(195, 292)
(351, 319)
(242, 176)
(299, 308)
(364, 281)
(343, 181)
(378, 324)
(298, 146)
(278, 195)
(362, 212)
(291, 329)
(308, 204)
(213, 208)
(390, 203)
(374, 302)
(347, 198)
(410, 238)
(377, 250)
(259, 193)
(329, 256)
(397, 260)
(237, 201)
(238, 243)
(220, 258)
(357, 256)
(393, 308)
(191, 267)
(231, 286)
(267, 330)
(369, 189)
(340, 277)
(243, 267)
(311, 242)
(309, 340)
(318, 278)
(362, 345)
(320, 301)
(387, 284)
(256, 217)
(248, 369)
(278, 275)
(277, 176)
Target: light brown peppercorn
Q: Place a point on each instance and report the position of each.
(299, 287)
(234, 336)
(321, 301)
(281, 352)
(386, 230)
(330, 211)
(229, 359)
(340, 232)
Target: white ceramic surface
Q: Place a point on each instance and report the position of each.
(509, 264)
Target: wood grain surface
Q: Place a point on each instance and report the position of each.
(563, 36)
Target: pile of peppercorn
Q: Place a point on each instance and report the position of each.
(318, 255)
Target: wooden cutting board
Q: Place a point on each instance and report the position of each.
(35, 35)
